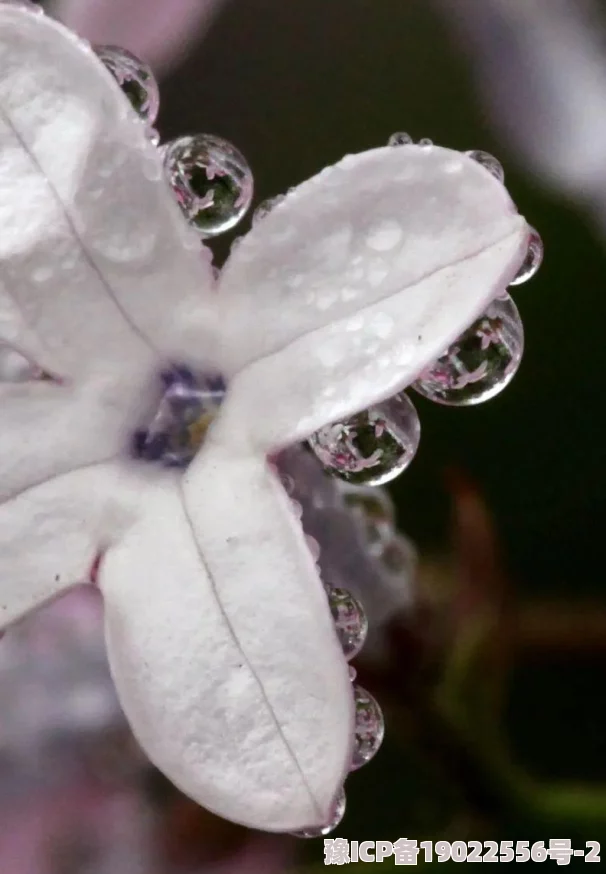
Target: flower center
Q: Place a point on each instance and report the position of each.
(187, 407)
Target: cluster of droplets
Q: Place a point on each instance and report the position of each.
(210, 178)
(351, 626)
(369, 447)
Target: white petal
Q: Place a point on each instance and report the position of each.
(51, 533)
(223, 650)
(97, 260)
(50, 429)
(356, 281)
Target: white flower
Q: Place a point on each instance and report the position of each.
(219, 636)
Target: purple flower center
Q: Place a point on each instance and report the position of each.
(188, 406)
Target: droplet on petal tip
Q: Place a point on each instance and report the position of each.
(489, 162)
(350, 621)
(370, 728)
(372, 447)
(211, 180)
(337, 815)
(481, 362)
(135, 78)
(153, 136)
(533, 259)
(399, 139)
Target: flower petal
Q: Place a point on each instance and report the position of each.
(222, 646)
(160, 31)
(51, 533)
(541, 69)
(348, 559)
(97, 260)
(359, 279)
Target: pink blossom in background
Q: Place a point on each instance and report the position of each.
(159, 31)
(540, 68)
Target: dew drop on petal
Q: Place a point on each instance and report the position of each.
(350, 621)
(135, 78)
(426, 142)
(532, 261)
(153, 136)
(399, 139)
(211, 180)
(384, 236)
(370, 728)
(372, 447)
(488, 162)
(481, 362)
(337, 814)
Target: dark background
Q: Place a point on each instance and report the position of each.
(296, 85)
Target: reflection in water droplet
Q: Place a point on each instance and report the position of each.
(211, 180)
(533, 259)
(350, 621)
(399, 139)
(372, 447)
(370, 728)
(489, 163)
(135, 78)
(481, 363)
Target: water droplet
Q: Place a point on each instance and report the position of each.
(481, 363)
(337, 814)
(384, 236)
(374, 513)
(399, 139)
(153, 136)
(425, 142)
(533, 259)
(352, 674)
(265, 207)
(211, 180)
(372, 447)
(135, 78)
(350, 621)
(370, 728)
(488, 162)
